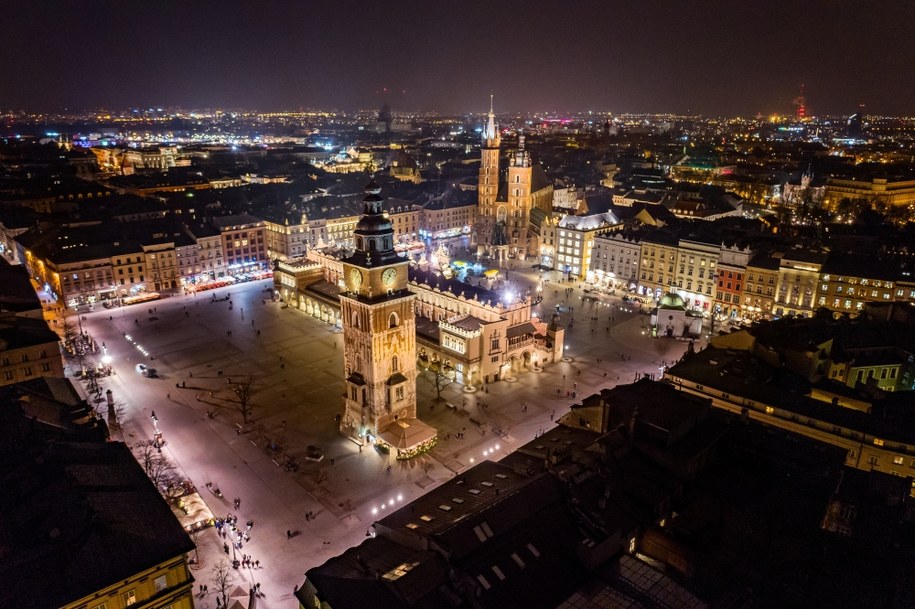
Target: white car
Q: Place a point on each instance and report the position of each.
(147, 371)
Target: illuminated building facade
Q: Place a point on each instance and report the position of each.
(510, 214)
(732, 274)
(696, 272)
(798, 277)
(883, 190)
(244, 242)
(659, 261)
(615, 260)
(379, 338)
(286, 237)
(760, 282)
(566, 244)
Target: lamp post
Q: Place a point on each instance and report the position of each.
(158, 434)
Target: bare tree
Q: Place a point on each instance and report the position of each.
(69, 330)
(438, 374)
(195, 535)
(158, 468)
(245, 390)
(223, 578)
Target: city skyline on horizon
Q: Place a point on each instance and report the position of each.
(655, 58)
(572, 115)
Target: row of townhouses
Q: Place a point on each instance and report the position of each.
(740, 280)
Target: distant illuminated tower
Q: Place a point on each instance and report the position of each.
(385, 117)
(855, 127)
(379, 329)
(801, 102)
(488, 187)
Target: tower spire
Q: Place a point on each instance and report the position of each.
(490, 132)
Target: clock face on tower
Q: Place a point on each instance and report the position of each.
(355, 277)
(389, 277)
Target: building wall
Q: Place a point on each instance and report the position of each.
(406, 222)
(759, 287)
(797, 285)
(129, 271)
(444, 222)
(168, 584)
(285, 241)
(659, 264)
(161, 267)
(34, 361)
(244, 244)
(844, 294)
(696, 273)
(864, 451)
(879, 189)
(615, 260)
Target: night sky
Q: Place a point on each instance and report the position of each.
(702, 56)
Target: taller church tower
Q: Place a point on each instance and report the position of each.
(379, 334)
(488, 188)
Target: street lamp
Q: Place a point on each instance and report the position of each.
(158, 435)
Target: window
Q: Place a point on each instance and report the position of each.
(873, 460)
(897, 460)
(482, 531)
(398, 394)
(483, 581)
(518, 560)
(129, 598)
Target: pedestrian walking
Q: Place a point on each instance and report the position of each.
(288, 534)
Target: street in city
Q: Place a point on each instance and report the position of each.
(199, 344)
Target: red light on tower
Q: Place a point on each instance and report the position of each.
(801, 102)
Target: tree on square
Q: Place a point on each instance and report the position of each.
(245, 389)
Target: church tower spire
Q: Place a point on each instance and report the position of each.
(488, 187)
(490, 130)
